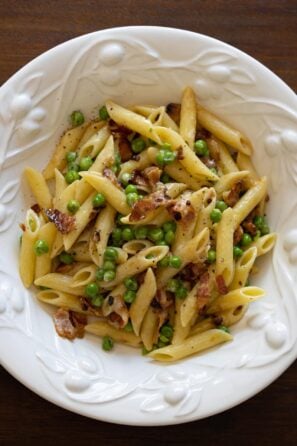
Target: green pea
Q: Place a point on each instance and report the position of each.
(66, 258)
(41, 247)
(73, 167)
(166, 146)
(131, 188)
(141, 232)
(265, 229)
(259, 221)
(211, 256)
(223, 328)
(221, 205)
(181, 292)
(71, 157)
(246, 239)
(97, 301)
(160, 158)
(129, 296)
(161, 243)
(155, 234)
(173, 285)
(201, 147)
(125, 178)
(71, 176)
(169, 237)
(111, 254)
(99, 274)
(144, 351)
(131, 283)
(161, 344)
(164, 262)
(77, 118)
(164, 339)
(215, 215)
(165, 178)
(98, 200)
(127, 234)
(109, 265)
(167, 331)
(175, 262)
(107, 343)
(132, 198)
(117, 235)
(237, 251)
(103, 113)
(169, 157)
(85, 163)
(138, 145)
(109, 276)
(91, 289)
(73, 206)
(214, 170)
(128, 327)
(169, 226)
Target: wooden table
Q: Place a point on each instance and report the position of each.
(268, 32)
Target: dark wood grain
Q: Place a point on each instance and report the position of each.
(268, 32)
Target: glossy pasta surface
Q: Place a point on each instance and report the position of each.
(146, 227)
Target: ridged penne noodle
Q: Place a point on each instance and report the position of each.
(94, 144)
(143, 161)
(220, 152)
(236, 298)
(59, 282)
(264, 244)
(224, 247)
(43, 263)
(209, 197)
(133, 121)
(187, 126)
(100, 234)
(249, 201)
(60, 299)
(84, 276)
(82, 218)
(144, 296)
(27, 254)
(191, 345)
(102, 328)
(148, 257)
(80, 251)
(188, 159)
(39, 187)
(149, 329)
(243, 268)
(69, 142)
(181, 331)
(223, 131)
(114, 195)
(227, 181)
(244, 163)
(60, 186)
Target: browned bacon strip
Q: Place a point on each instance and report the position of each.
(69, 324)
(63, 222)
(221, 285)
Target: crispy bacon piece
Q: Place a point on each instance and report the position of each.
(173, 111)
(36, 208)
(63, 222)
(115, 310)
(125, 149)
(23, 227)
(138, 178)
(164, 298)
(233, 196)
(203, 292)
(249, 227)
(87, 306)
(118, 130)
(209, 162)
(108, 173)
(153, 201)
(152, 174)
(63, 268)
(221, 285)
(193, 271)
(181, 210)
(69, 324)
(202, 133)
(238, 233)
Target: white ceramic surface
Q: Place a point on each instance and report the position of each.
(137, 65)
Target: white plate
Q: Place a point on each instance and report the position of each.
(147, 65)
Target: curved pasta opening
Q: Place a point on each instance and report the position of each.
(248, 257)
(84, 276)
(267, 243)
(135, 246)
(252, 291)
(48, 295)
